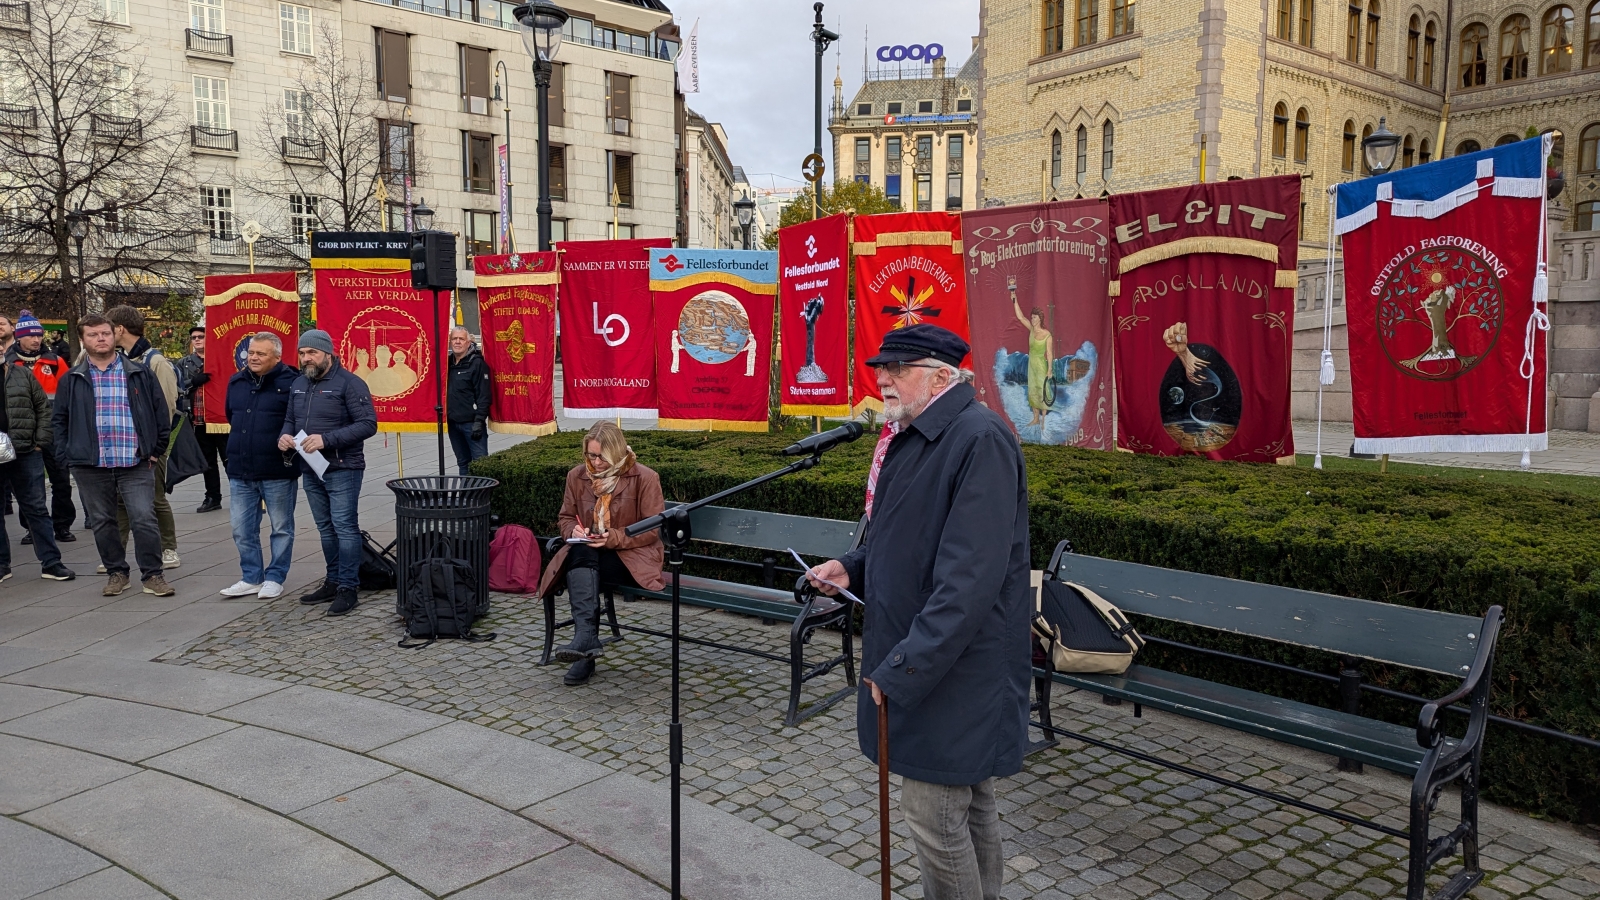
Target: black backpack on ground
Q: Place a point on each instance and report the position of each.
(441, 600)
(377, 572)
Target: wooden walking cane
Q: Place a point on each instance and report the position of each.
(883, 794)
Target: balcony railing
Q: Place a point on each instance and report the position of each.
(129, 239)
(15, 16)
(227, 246)
(122, 128)
(204, 138)
(297, 148)
(205, 42)
(18, 118)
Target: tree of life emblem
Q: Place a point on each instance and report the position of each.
(388, 349)
(1440, 313)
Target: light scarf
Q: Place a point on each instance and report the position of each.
(890, 429)
(605, 481)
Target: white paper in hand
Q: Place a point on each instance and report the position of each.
(843, 592)
(314, 459)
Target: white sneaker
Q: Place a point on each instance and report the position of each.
(242, 589)
(270, 590)
(99, 570)
(169, 559)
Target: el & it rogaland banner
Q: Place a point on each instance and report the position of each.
(237, 308)
(517, 317)
(713, 331)
(608, 354)
(814, 318)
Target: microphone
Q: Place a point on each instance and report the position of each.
(827, 440)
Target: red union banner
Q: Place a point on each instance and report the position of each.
(517, 314)
(814, 318)
(382, 328)
(1041, 324)
(238, 307)
(608, 360)
(908, 271)
(1204, 305)
(1441, 266)
(714, 337)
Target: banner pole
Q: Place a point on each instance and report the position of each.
(400, 456)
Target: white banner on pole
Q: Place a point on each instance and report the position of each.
(693, 86)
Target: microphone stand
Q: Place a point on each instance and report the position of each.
(675, 536)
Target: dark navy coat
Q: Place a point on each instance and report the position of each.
(944, 573)
(469, 395)
(337, 406)
(256, 408)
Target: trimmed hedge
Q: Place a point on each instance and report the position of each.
(1446, 544)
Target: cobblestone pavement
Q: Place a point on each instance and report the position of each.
(1077, 821)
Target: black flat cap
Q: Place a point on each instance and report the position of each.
(921, 342)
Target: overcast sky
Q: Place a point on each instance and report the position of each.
(756, 66)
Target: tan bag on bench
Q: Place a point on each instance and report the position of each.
(1098, 638)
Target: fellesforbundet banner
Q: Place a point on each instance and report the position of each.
(814, 318)
(517, 315)
(1203, 294)
(713, 337)
(908, 270)
(1041, 323)
(237, 308)
(608, 354)
(382, 328)
(1441, 261)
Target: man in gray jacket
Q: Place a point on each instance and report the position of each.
(334, 410)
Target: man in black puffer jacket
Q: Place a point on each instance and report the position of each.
(468, 399)
(334, 409)
(25, 418)
(258, 472)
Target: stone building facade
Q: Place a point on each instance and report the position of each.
(1084, 98)
(710, 191)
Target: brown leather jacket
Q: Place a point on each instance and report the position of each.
(638, 496)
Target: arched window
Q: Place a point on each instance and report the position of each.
(1347, 160)
(1302, 135)
(1372, 34)
(1465, 147)
(1286, 19)
(1121, 17)
(1280, 130)
(1408, 153)
(1088, 22)
(1055, 160)
(1429, 38)
(1424, 154)
(1352, 37)
(1108, 139)
(1506, 139)
(1413, 47)
(1475, 55)
(1366, 132)
(1589, 150)
(1591, 38)
(1054, 27)
(1514, 48)
(1083, 155)
(1307, 16)
(1555, 41)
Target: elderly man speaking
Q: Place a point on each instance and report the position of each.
(944, 573)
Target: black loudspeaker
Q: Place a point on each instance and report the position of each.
(433, 260)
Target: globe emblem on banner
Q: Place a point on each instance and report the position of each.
(1440, 312)
(1201, 412)
(714, 328)
(241, 353)
(388, 349)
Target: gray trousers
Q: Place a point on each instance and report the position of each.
(135, 487)
(957, 832)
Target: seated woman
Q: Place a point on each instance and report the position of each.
(608, 492)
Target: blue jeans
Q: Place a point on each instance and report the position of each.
(25, 478)
(247, 495)
(465, 447)
(333, 499)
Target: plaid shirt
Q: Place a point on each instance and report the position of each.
(113, 416)
(197, 405)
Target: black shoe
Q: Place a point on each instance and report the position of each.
(344, 603)
(27, 538)
(581, 671)
(210, 504)
(65, 537)
(58, 572)
(320, 595)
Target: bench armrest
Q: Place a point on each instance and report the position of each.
(1475, 685)
(1064, 547)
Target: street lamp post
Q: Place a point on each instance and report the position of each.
(78, 227)
(505, 104)
(541, 22)
(422, 215)
(822, 37)
(1379, 147)
(745, 209)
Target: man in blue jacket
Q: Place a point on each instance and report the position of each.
(943, 570)
(334, 409)
(258, 472)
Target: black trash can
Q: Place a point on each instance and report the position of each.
(442, 516)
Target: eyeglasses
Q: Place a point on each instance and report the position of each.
(898, 369)
(595, 457)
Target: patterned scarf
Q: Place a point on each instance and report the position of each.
(890, 429)
(605, 481)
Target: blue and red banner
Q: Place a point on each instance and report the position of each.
(1447, 351)
(713, 334)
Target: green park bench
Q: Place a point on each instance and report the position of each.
(1461, 647)
(773, 533)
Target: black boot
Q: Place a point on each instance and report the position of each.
(581, 671)
(583, 590)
